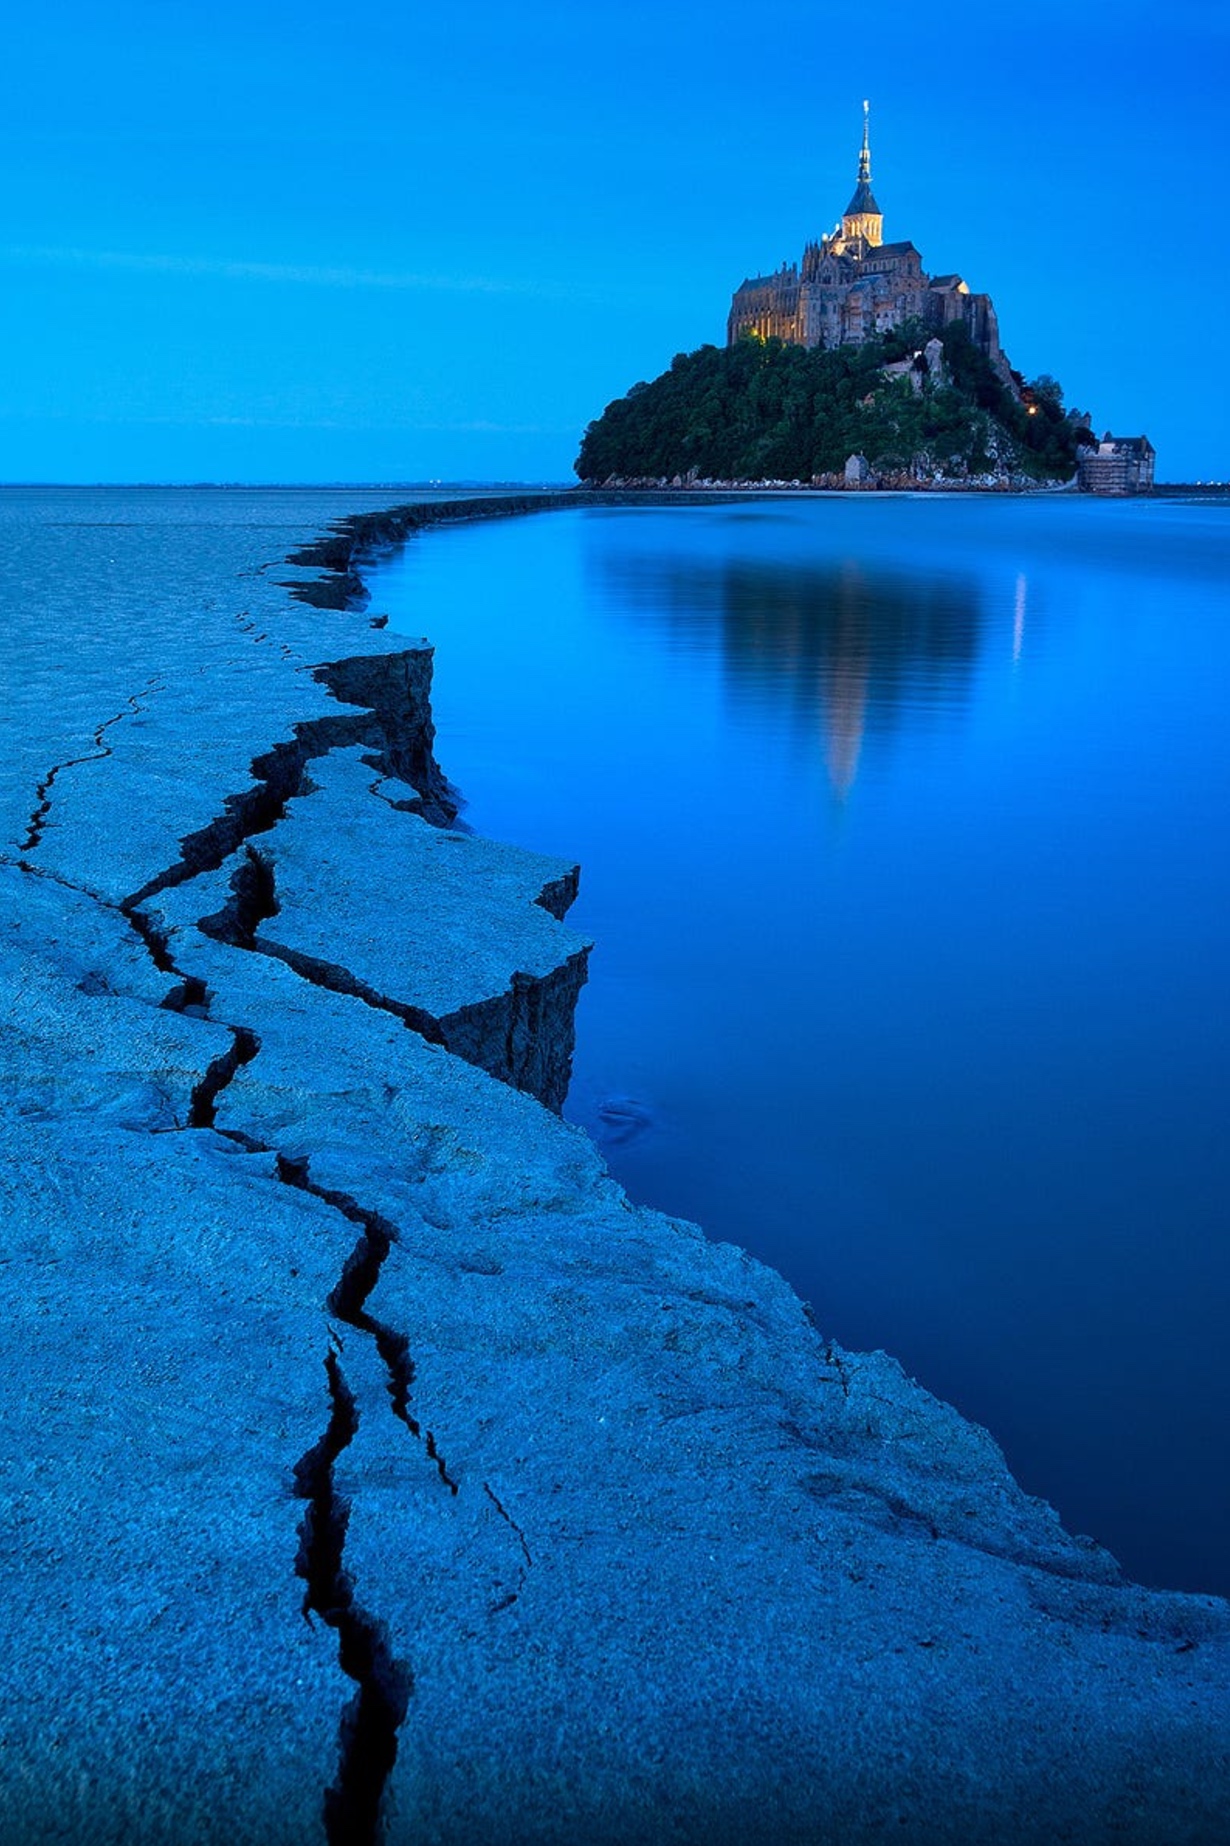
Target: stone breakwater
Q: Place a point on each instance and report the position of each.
(372, 1467)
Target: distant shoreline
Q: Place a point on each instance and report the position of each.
(539, 490)
(336, 556)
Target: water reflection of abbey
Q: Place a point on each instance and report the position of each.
(851, 285)
(848, 651)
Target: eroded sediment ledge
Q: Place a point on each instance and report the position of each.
(335, 558)
(378, 1469)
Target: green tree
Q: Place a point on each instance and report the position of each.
(766, 410)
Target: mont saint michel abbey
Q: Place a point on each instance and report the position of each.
(852, 285)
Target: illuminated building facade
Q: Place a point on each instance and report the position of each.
(851, 285)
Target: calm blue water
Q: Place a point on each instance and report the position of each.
(905, 847)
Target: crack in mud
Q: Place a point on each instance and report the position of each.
(348, 1300)
(279, 774)
(253, 901)
(371, 1720)
(339, 980)
(99, 754)
(835, 1358)
(382, 721)
(392, 719)
(190, 995)
(17, 864)
(401, 806)
(499, 1035)
(244, 1047)
(505, 1515)
(369, 1724)
(374, 1716)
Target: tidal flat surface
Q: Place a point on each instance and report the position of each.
(319, 1312)
(903, 826)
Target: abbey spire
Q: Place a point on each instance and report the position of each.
(862, 216)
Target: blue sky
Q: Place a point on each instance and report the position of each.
(268, 242)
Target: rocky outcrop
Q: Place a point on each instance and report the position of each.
(374, 1468)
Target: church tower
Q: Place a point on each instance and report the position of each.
(862, 216)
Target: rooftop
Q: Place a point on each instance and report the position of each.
(863, 201)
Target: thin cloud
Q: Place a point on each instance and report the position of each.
(346, 425)
(236, 270)
(478, 427)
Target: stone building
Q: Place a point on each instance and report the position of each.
(851, 285)
(1118, 465)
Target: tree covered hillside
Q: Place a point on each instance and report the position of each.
(763, 410)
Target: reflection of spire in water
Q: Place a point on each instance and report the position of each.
(843, 683)
(845, 649)
(1018, 617)
(845, 710)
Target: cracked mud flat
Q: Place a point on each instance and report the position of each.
(371, 1467)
